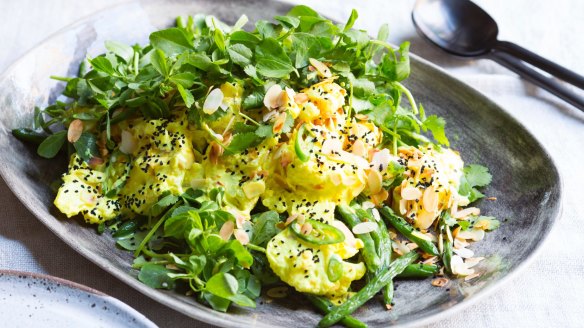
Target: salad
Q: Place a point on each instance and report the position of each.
(290, 158)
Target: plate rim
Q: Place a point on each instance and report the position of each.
(18, 274)
(208, 317)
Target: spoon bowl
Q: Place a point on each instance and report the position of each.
(459, 27)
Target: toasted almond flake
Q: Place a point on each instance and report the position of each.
(241, 236)
(285, 159)
(400, 247)
(491, 198)
(459, 267)
(290, 94)
(430, 199)
(411, 193)
(253, 189)
(474, 234)
(412, 246)
(471, 262)
(269, 115)
(278, 292)
(213, 101)
(362, 117)
(359, 148)
(128, 144)
(347, 157)
(279, 123)
(380, 159)
(431, 260)
(456, 231)
(215, 152)
(402, 206)
(331, 145)
(300, 98)
(321, 69)
(227, 230)
(472, 276)
(439, 282)
(380, 197)
(388, 307)
(274, 97)
(95, 161)
(306, 228)
(465, 253)
(466, 212)
(75, 130)
(374, 181)
(367, 205)
(292, 218)
(440, 243)
(460, 243)
(364, 227)
(375, 214)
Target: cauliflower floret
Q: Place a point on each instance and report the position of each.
(81, 193)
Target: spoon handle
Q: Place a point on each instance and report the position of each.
(536, 60)
(538, 79)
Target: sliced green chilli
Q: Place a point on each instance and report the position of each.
(321, 234)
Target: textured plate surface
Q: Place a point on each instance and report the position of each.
(525, 181)
(30, 300)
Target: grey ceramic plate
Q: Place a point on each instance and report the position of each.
(32, 300)
(525, 182)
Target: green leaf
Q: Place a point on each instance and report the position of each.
(102, 64)
(254, 100)
(156, 276)
(241, 253)
(164, 201)
(216, 302)
(219, 38)
(271, 59)
(243, 141)
(186, 95)
(121, 50)
(248, 39)
(302, 10)
(86, 146)
(158, 61)
(436, 125)
(264, 227)
(289, 22)
(223, 285)
(52, 144)
(240, 54)
(171, 41)
(396, 69)
(477, 175)
(185, 79)
(351, 21)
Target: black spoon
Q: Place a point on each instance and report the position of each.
(462, 28)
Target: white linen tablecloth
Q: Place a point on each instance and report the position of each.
(550, 293)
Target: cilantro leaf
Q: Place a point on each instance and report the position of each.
(272, 60)
(477, 175)
(171, 41)
(436, 125)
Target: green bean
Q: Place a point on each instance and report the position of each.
(408, 231)
(367, 292)
(325, 307)
(418, 270)
(447, 248)
(388, 294)
(385, 250)
(369, 252)
(29, 135)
